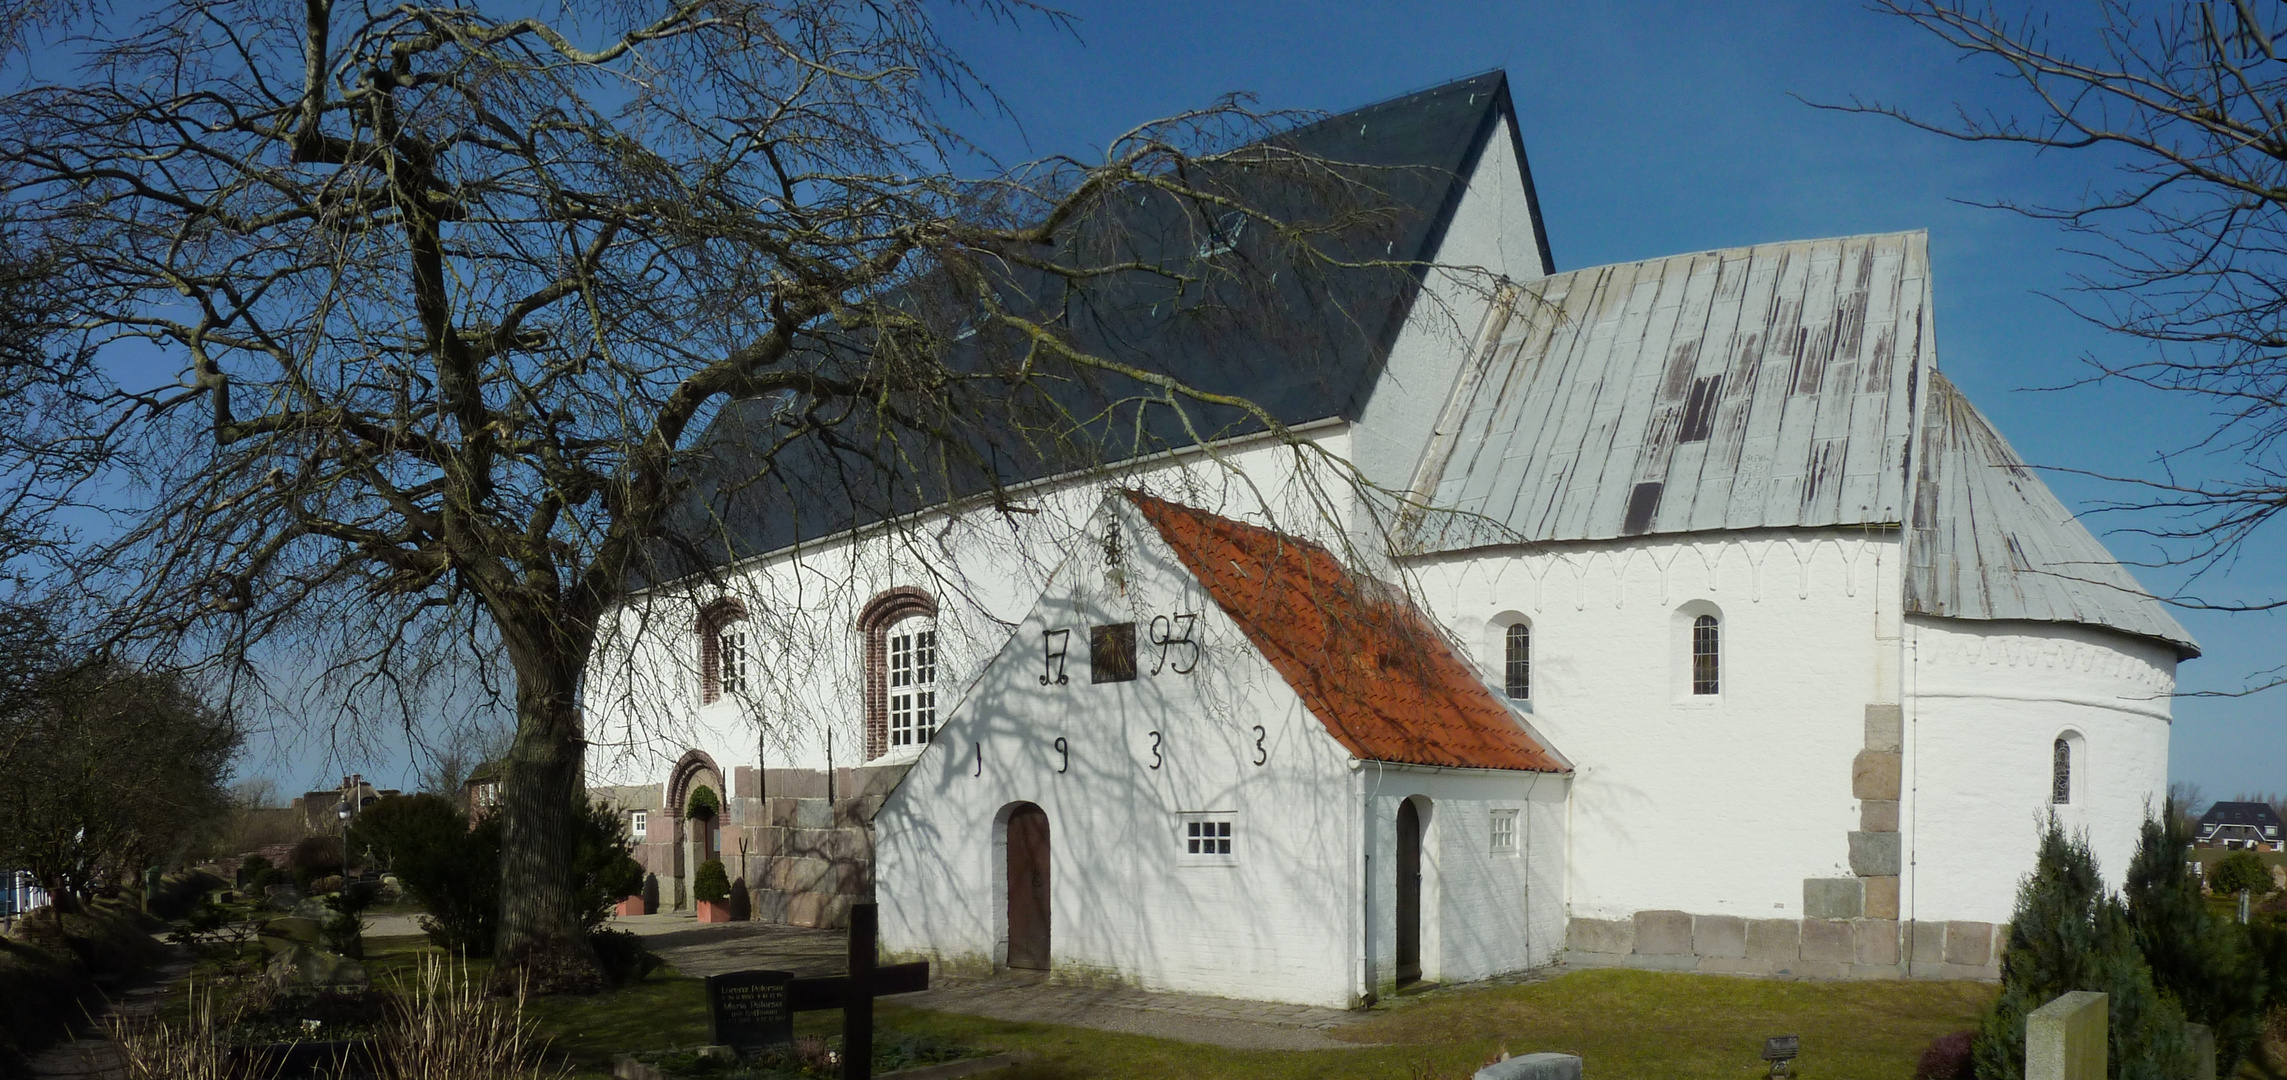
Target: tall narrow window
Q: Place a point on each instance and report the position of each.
(730, 650)
(1706, 655)
(2061, 773)
(1518, 647)
(912, 648)
(639, 826)
(725, 663)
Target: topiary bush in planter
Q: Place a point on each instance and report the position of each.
(651, 894)
(712, 882)
(742, 904)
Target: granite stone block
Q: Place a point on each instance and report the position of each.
(1719, 935)
(1926, 942)
(1617, 936)
(1833, 898)
(1878, 815)
(1532, 1067)
(1874, 854)
(1874, 774)
(2065, 1039)
(1881, 897)
(1969, 943)
(1877, 941)
(1663, 933)
(1830, 940)
(1779, 940)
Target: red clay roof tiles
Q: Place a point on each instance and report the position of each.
(1364, 660)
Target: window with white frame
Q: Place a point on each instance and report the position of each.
(1517, 661)
(911, 645)
(1208, 838)
(731, 658)
(638, 825)
(1504, 832)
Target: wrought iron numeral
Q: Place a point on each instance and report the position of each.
(1170, 631)
(980, 760)
(1065, 751)
(1156, 759)
(1261, 754)
(1053, 644)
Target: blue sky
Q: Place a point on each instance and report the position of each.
(1657, 128)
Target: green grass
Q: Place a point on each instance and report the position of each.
(1622, 1023)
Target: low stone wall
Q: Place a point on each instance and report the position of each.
(1800, 948)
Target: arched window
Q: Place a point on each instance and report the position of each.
(912, 646)
(1517, 661)
(899, 628)
(1706, 655)
(726, 662)
(2061, 772)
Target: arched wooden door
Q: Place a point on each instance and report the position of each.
(1409, 893)
(1028, 887)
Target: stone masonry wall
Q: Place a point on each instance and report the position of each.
(1859, 948)
(805, 856)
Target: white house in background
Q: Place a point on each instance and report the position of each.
(1745, 566)
(1211, 757)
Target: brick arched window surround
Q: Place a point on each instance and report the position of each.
(696, 767)
(874, 621)
(726, 661)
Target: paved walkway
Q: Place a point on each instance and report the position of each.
(90, 1054)
(711, 949)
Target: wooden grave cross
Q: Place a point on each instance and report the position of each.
(853, 993)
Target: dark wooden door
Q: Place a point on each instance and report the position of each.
(1409, 893)
(1028, 888)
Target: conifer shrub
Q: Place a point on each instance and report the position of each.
(711, 883)
(2068, 934)
(742, 903)
(2240, 870)
(651, 894)
(2209, 964)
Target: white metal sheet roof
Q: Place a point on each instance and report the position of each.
(1760, 387)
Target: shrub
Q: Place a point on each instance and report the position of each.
(1947, 1059)
(2207, 963)
(316, 856)
(180, 894)
(622, 955)
(256, 874)
(711, 882)
(742, 904)
(601, 863)
(651, 894)
(2240, 870)
(702, 804)
(2065, 935)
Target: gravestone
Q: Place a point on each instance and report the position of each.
(2065, 1039)
(749, 1010)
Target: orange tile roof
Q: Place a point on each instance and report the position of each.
(1365, 661)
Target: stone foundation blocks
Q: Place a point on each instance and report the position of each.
(1663, 933)
(1776, 940)
(1877, 942)
(1829, 940)
(1881, 897)
(1874, 774)
(1878, 815)
(1723, 936)
(1612, 936)
(1969, 944)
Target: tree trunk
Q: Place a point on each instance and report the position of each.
(540, 939)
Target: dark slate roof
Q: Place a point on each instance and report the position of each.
(1305, 345)
(2253, 814)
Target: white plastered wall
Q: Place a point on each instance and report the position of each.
(1483, 913)
(985, 569)
(1986, 702)
(1123, 901)
(1716, 806)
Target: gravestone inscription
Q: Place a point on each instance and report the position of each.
(749, 1010)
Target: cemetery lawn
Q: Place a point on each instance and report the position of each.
(1623, 1023)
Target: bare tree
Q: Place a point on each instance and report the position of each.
(451, 293)
(2186, 106)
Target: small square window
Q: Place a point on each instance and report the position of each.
(1504, 832)
(638, 825)
(1112, 653)
(1208, 838)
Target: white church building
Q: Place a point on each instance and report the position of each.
(1719, 632)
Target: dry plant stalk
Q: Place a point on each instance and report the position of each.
(193, 1050)
(449, 1029)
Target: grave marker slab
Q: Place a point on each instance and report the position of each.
(750, 1010)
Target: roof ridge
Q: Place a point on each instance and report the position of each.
(1760, 245)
